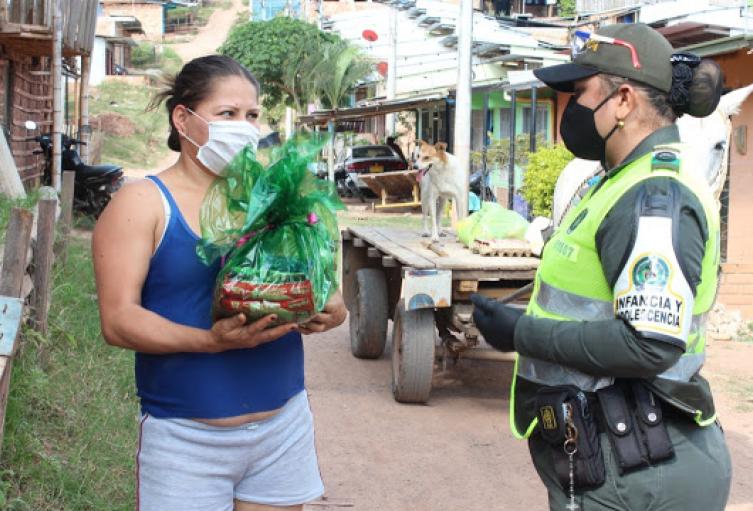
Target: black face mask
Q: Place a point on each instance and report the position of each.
(578, 130)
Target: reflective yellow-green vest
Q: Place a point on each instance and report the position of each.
(570, 285)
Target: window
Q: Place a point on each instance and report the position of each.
(440, 129)
(542, 119)
(505, 117)
(477, 130)
(373, 152)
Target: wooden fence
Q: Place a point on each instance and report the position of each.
(16, 262)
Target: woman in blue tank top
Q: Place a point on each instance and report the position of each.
(225, 422)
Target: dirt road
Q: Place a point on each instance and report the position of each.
(457, 453)
(211, 36)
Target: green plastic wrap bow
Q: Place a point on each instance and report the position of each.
(275, 229)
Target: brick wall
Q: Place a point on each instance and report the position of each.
(736, 289)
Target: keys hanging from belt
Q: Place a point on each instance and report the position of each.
(570, 447)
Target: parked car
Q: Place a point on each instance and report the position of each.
(370, 159)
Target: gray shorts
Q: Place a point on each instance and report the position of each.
(184, 465)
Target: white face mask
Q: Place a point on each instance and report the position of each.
(226, 140)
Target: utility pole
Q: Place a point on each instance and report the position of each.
(57, 94)
(392, 68)
(462, 147)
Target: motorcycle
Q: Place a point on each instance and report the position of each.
(479, 184)
(93, 184)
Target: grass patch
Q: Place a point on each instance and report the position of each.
(147, 145)
(745, 334)
(71, 426)
(410, 221)
(6, 204)
(354, 219)
(148, 56)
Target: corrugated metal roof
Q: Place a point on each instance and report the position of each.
(427, 56)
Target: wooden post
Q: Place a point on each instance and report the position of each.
(17, 239)
(57, 92)
(69, 179)
(43, 257)
(83, 122)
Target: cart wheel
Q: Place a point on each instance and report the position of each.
(368, 319)
(413, 339)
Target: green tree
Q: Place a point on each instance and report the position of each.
(143, 55)
(498, 152)
(299, 74)
(264, 47)
(340, 69)
(566, 8)
(544, 167)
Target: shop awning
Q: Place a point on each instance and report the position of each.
(371, 109)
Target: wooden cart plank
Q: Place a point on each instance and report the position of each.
(408, 248)
(388, 246)
(458, 256)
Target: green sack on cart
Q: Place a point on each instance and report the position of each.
(491, 222)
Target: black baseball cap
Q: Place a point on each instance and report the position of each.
(648, 61)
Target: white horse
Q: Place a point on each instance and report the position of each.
(706, 140)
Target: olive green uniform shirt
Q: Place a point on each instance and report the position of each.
(581, 344)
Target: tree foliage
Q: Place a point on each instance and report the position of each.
(544, 167)
(566, 8)
(341, 67)
(498, 152)
(295, 61)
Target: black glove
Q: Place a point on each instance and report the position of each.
(496, 321)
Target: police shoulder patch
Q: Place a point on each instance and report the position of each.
(665, 158)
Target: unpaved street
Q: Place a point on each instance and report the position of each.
(211, 36)
(457, 453)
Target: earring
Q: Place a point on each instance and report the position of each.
(620, 123)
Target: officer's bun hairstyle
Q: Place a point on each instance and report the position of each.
(696, 88)
(193, 84)
(696, 85)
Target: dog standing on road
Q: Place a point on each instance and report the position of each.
(440, 180)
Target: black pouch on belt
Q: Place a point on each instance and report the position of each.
(555, 407)
(648, 414)
(624, 436)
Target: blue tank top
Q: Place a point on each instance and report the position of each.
(179, 287)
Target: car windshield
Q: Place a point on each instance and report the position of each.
(372, 152)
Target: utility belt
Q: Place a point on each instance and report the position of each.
(570, 421)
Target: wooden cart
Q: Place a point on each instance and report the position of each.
(393, 188)
(377, 265)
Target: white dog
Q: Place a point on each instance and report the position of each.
(440, 180)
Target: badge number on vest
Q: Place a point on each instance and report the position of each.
(649, 303)
(565, 249)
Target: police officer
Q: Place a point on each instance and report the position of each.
(607, 386)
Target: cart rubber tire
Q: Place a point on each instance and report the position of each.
(413, 345)
(368, 319)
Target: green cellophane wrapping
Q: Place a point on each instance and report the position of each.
(275, 229)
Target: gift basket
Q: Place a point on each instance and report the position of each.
(274, 228)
